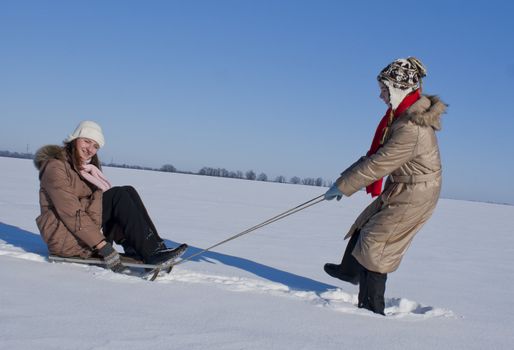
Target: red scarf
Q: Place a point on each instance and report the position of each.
(383, 127)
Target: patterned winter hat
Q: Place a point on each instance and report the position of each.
(404, 73)
(401, 77)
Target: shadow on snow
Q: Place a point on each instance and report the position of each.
(32, 243)
(291, 280)
(28, 241)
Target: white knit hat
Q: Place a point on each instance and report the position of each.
(90, 130)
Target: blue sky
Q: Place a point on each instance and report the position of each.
(281, 87)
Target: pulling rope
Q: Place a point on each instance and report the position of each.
(258, 226)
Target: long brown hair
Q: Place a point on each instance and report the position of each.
(73, 155)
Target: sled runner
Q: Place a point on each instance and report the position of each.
(151, 270)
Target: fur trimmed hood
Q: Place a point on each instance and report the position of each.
(427, 111)
(45, 153)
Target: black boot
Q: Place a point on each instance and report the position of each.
(349, 269)
(336, 271)
(162, 256)
(372, 290)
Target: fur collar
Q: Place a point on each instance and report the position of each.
(46, 153)
(427, 111)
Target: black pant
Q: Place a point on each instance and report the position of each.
(349, 265)
(123, 210)
(371, 284)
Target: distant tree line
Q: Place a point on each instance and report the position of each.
(252, 175)
(16, 155)
(205, 171)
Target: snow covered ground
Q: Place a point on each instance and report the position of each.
(265, 290)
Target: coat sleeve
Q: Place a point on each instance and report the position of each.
(398, 150)
(58, 187)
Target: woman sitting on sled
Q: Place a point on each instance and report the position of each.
(82, 214)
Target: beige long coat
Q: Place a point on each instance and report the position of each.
(410, 156)
(71, 210)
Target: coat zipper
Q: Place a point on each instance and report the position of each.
(77, 221)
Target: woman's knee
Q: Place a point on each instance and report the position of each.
(119, 193)
(129, 189)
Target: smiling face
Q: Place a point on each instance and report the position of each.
(86, 149)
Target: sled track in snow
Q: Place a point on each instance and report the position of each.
(334, 299)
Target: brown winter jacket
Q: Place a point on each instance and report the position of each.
(410, 156)
(71, 209)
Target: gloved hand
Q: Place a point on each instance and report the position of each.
(111, 257)
(333, 192)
